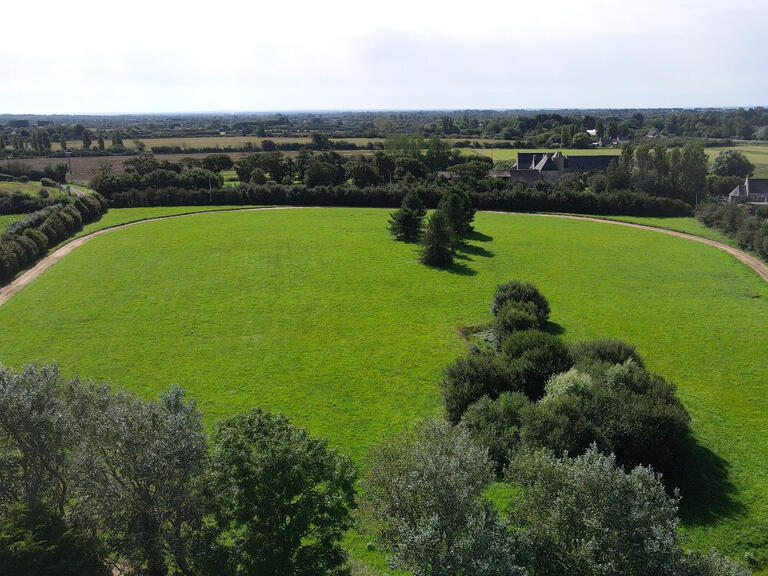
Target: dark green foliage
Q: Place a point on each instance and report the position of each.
(282, 499)
(496, 424)
(217, 162)
(732, 163)
(514, 316)
(408, 222)
(535, 357)
(35, 541)
(457, 207)
(743, 223)
(48, 183)
(517, 291)
(438, 241)
(472, 377)
(604, 350)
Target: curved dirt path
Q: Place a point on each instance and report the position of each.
(7, 291)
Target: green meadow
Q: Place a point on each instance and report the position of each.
(755, 153)
(317, 313)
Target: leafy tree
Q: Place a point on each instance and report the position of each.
(101, 141)
(35, 541)
(86, 139)
(362, 172)
(408, 222)
(217, 162)
(35, 435)
(693, 171)
(438, 241)
(586, 516)
(319, 173)
(424, 499)
(282, 499)
(732, 163)
(320, 141)
(137, 468)
(536, 356)
(438, 155)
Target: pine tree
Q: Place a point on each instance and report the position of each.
(439, 241)
(408, 222)
(86, 139)
(101, 141)
(459, 211)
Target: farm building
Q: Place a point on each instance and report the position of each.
(753, 191)
(532, 166)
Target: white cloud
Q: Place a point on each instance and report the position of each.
(87, 56)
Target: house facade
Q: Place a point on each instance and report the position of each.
(753, 191)
(551, 166)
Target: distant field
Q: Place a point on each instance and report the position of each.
(756, 153)
(511, 153)
(215, 141)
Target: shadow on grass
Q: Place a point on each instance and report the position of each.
(554, 328)
(476, 251)
(479, 236)
(461, 269)
(707, 494)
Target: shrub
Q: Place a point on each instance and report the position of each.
(496, 424)
(518, 291)
(604, 350)
(48, 183)
(472, 377)
(535, 357)
(514, 316)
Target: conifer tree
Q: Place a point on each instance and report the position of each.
(459, 211)
(439, 241)
(408, 222)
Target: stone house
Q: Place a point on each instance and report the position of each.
(753, 191)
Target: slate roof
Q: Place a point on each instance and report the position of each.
(758, 185)
(588, 163)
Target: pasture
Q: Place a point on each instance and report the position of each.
(755, 153)
(319, 314)
(7, 220)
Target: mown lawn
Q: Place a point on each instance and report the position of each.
(318, 314)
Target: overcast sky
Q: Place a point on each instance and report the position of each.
(96, 56)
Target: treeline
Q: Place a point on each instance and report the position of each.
(566, 128)
(541, 198)
(55, 172)
(26, 240)
(747, 225)
(96, 482)
(577, 433)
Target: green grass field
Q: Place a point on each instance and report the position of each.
(29, 188)
(319, 314)
(756, 153)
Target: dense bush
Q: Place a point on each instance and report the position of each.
(522, 292)
(536, 356)
(48, 183)
(605, 350)
(745, 224)
(514, 316)
(472, 377)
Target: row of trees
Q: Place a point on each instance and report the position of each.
(26, 240)
(445, 229)
(95, 481)
(747, 225)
